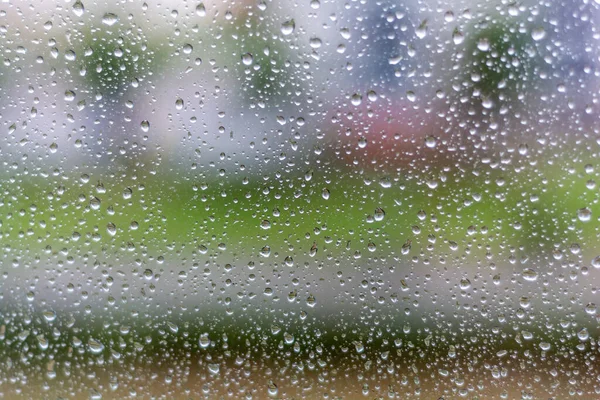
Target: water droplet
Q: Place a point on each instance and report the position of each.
(584, 214)
(545, 346)
(272, 389)
(265, 224)
(372, 95)
(311, 301)
(591, 309)
(458, 37)
(200, 10)
(529, 274)
(247, 59)
(204, 341)
(315, 42)
(583, 334)
(49, 315)
(289, 261)
(95, 346)
(288, 338)
(179, 104)
(379, 214)
(42, 342)
(213, 368)
(362, 142)
(465, 284)
(110, 19)
(145, 125)
(265, 251)
(313, 250)
(288, 27)
(172, 327)
(596, 262)
(359, 346)
(187, 48)
(538, 33)
(78, 8)
(95, 203)
(385, 182)
(69, 95)
(356, 99)
(483, 44)
(430, 141)
(421, 31)
(325, 194)
(111, 229)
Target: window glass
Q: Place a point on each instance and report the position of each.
(299, 199)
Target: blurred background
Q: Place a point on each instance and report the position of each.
(313, 199)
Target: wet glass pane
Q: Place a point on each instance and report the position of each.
(313, 199)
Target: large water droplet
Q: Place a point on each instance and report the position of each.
(95, 346)
(288, 27)
(78, 8)
(584, 214)
(529, 274)
(247, 59)
(538, 34)
(110, 19)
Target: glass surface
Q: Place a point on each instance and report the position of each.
(300, 199)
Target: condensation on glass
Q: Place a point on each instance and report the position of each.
(300, 199)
